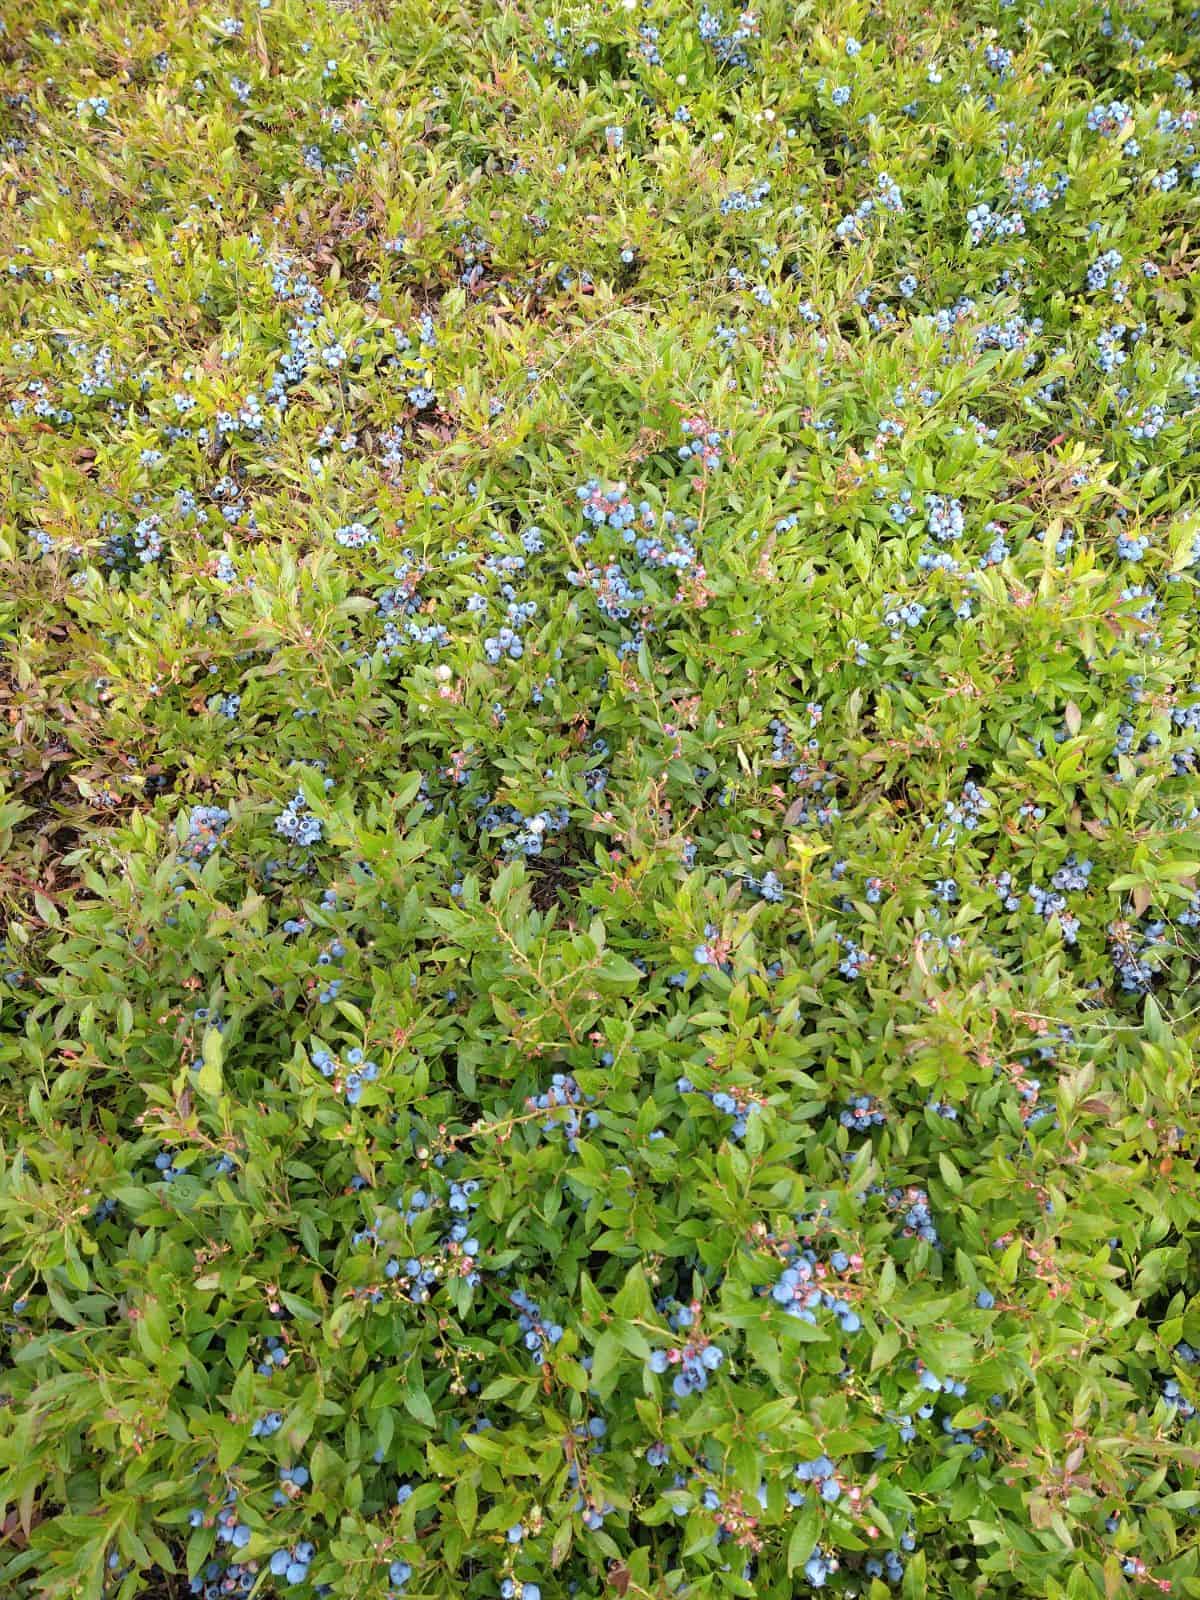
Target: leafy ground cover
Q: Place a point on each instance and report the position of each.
(599, 819)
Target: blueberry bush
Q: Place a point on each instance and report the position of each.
(599, 821)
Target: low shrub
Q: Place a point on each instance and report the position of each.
(599, 817)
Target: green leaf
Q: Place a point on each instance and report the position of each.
(802, 1540)
(561, 1544)
(466, 1501)
(417, 1404)
(950, 1174)
(605, 1359)
(209, 1079)
(885, 1349)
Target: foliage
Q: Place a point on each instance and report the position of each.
(599, 820)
